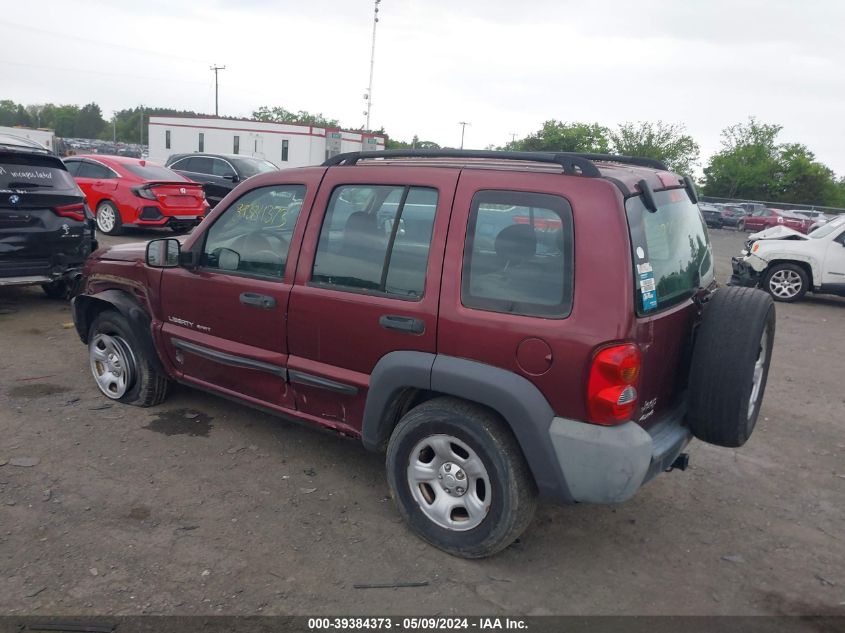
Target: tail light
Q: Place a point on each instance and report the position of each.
(144, 192)
(72, 211)
(612, 386)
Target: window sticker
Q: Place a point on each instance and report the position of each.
(647, 286)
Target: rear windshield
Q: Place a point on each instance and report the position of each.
(155, 172)
(671, 250)
(33, 172)
(250, 168)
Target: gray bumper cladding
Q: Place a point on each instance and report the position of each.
(608, 464)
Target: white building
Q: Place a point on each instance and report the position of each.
(43, 136)
(284, 144)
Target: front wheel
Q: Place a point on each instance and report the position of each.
(786, 282)
(121, 366)
(108, 219)
(459, 478)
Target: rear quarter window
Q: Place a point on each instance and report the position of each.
(519, 257)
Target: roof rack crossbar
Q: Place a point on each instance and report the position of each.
(639, 161)
(573, 163)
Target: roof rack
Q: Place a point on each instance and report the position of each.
(572, 163)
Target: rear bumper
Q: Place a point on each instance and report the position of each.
(608, 464)
(743, 274)
(190, 219)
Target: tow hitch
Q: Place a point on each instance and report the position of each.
(681, 462)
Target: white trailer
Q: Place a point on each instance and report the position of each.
(42, 136)
(284, 144)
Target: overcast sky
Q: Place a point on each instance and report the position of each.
(504, 66)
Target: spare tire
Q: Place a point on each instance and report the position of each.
(730, 365)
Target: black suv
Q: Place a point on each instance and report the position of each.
(46, 228)
(218, 173)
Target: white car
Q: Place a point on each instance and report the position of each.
(788, 264)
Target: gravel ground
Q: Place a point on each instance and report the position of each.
(203, 506)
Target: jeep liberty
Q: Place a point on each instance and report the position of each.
(503, 326)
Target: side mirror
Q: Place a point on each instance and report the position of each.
(232, 177)
(227, 259)
(163, 253)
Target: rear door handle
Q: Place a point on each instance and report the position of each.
(258, 301)
(401, 323)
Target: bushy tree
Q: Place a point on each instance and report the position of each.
(280, 115)
(663, 141)
(89, 122)
(752, 165)
(558, 136)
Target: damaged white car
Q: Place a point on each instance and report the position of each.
(788, 264)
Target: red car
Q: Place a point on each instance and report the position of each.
(766, 218)
(133, 192)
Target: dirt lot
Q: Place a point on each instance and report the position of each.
(204, 506)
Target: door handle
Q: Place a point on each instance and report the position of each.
(258, 301)
(401, 323)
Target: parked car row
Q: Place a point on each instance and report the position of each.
(752, 216)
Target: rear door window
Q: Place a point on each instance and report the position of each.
(518, 257)
(376, 239)
(671, 250)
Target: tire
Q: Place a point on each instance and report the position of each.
(120, 365)
(740, 226)
(786, 282)
(499, 501)
(108, 219)
(730, 365)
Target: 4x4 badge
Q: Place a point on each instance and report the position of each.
(14, 199)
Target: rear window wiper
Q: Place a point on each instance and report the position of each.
(24, 185)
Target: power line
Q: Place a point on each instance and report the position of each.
(102, 72)
(87, 40)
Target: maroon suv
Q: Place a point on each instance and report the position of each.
(504, 325)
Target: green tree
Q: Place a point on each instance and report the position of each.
(12, 114)
(557, 136)
(89, 122)
(280, 115)
(663, 141)
(752, 165)
(415, 143)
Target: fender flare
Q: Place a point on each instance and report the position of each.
(524, 409)
(85, 308)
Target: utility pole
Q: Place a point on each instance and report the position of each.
(369, 96)
(141, 126)
(463, 125)
(513, 138)
(216, 68)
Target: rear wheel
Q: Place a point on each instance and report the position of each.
(108, 219)
(459, 478)
(786, 282)
(730, 365)
(120, 365)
